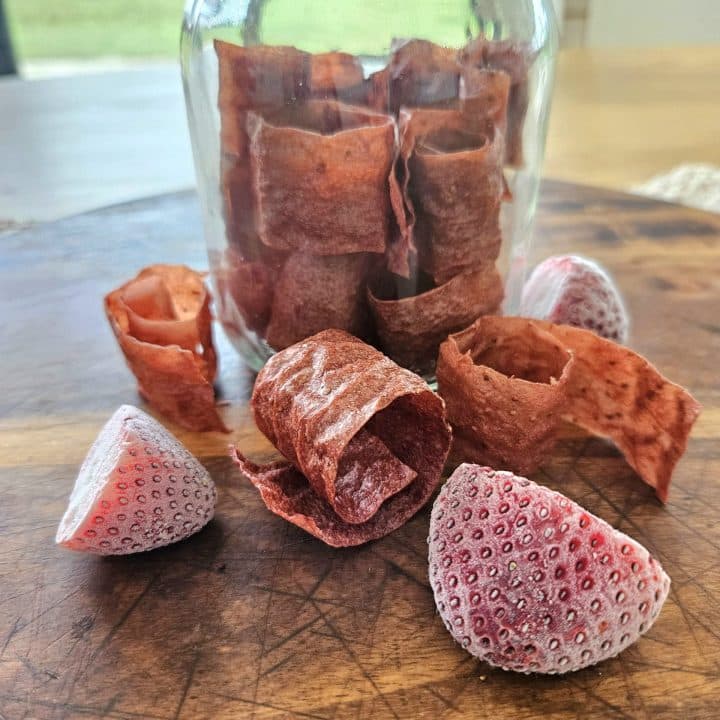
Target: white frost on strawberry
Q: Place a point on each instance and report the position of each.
(138, 489)
(528, 580)
(572, 290)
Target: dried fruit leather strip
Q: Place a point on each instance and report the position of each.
(162, 322)
(422, 73)
(609, 390)
(337, 76)
(485, 93)
(455, 184)
(320, 176)
(504, 382)
(616, 393)
(414, 127)
(315, 292)
(244, 292)
(259, 78)
(411, 328)
(366, 440)
(511, 58)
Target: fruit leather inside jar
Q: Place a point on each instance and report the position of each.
(320, 177)
(342, 180)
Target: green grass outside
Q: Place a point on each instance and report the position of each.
(94, 28)
(150, 28)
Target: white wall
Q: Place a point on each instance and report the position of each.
(616, 23)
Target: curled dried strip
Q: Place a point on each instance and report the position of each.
(344, 156)
(504, 382)
(456, 186)
(366, 440)
(315, 292)
(411, 328)
(605, 388)
(261, 76)
(616, 393)
(414, 126)
(162, 322)
(512, 59)
(486, 93)
(337, 76)
(422, 73)
(244, 292)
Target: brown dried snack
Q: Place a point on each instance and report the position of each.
(315, 292)
(261, 76)
(455, 184)
(161, 320)
(422, 73)
(368, 440)
(616, 393)
(486, 93)
(337, 76)
(414, 125)
(411, 328)
(377, 91)
(244, 292)
(505, 383)
(510, 58)
(320, 177)
(607, 389)
(238, 207)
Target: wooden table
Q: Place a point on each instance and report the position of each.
(252, 618)
(76, 143)
(621, 116)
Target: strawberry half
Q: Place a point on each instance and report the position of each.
(528, 580)
(138, 489)
(572, 290)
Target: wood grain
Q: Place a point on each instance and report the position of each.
(621, 116)
(252, 618)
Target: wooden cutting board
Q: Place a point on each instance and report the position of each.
(252, 618)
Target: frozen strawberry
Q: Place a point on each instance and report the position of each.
(137, 489)
(527, 580)
(571, 290)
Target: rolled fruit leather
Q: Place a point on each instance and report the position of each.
(365, 440)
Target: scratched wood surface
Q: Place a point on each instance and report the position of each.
(252, 618)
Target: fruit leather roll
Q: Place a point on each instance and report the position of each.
(321, 177)
(486, 93)
(337, 76)
(511, 59)
(162, 322)
(455, 184)
(316, 292)
(421, 73)
(365, 440)
(411, 328)
(505, 382)
(243, 291)
(414, 126)
(260, 77)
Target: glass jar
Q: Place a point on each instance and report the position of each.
(372, 166)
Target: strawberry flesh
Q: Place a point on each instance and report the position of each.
(138, 489)
(528, 580)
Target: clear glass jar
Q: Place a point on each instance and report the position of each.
(368, 166)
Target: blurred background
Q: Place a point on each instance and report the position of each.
(81, 35)
(636, 100)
